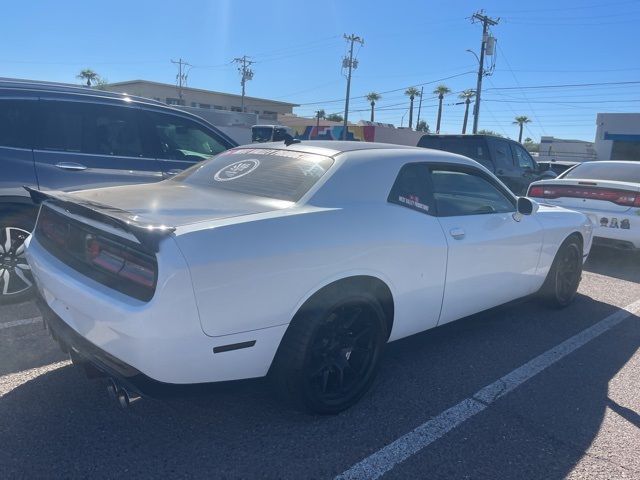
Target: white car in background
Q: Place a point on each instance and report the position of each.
(607, 191)
(297, 260)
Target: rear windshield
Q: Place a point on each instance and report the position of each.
(278, 174)
(621, 172)
(474, 148)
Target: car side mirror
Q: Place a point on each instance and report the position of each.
(526, 206)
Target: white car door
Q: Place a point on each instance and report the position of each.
(493, 251)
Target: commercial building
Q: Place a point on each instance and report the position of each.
(200, 98)
(560, 149)
(618, 136)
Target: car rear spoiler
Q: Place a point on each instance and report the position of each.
(148, 234)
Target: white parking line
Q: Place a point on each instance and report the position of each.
(382, 461)
(17, 323)
(14, 380)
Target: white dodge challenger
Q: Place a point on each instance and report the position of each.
(299, 261)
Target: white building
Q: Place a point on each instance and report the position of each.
(560, 149)
(200, 98)
(618, 136)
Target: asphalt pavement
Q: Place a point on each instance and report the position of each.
(575, 416)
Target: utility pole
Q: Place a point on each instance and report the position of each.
(419, 106)
(486, 23)
(245, 73)
(181, 77)
(350, 64)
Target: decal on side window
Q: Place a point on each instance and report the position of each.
(414, 201)
(236, 170)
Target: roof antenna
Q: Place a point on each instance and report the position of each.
(289, 140)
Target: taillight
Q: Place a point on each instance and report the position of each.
(119, 261)
(535, 191)
(623, 198)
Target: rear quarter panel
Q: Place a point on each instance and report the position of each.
(257, 272)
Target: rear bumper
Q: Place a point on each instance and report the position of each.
(86, 353)
(614, 243)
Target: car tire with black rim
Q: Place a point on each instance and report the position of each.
(16, 281)
(563, 279)
(329, 355)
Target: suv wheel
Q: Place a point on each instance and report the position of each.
(16, 281)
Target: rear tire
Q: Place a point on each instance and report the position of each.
(330, 353)
(563, 279)
(16, 281)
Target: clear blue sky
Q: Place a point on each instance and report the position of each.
(298, 46)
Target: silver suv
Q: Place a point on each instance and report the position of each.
(58, 137)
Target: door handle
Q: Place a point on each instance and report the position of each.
(71, 166)
(457, 233)
(172, 172)
(500, 172)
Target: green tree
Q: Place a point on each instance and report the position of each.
(373, 97)
(521, 121)
(412, 93)
(466, 95)
(441, 91)
(422, 126)
(89, 76)
(489, 132)
(334, 117)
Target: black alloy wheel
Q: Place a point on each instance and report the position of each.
(563, 280)
(342, 356)
(330, 353)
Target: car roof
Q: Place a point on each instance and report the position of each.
(63, 88)
(331, 147)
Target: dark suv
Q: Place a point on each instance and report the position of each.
(507, 159)
(58, 137)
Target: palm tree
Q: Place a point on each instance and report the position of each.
(373, 97)
(441, 91)
(411, 92)
(88, 75)
(466, 95)
(319, 114)
(521, 120)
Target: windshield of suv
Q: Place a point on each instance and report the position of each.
(620, 172)
(278, 174)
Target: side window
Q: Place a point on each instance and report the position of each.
(16, 123)
(501, 153)
(177, 138)
(91, 128)
(522, 157)
(462, 192)
(411, 188)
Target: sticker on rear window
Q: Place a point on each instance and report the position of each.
(236, 170)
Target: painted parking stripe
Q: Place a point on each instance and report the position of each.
(14, 380)
(385, 459)
(17, 323)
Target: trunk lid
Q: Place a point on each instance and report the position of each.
(175, 204)
(606, 195)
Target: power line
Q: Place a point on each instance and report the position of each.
(486, 23)
(349, 64)
(181, 77)
(245, 74)
(566, 85)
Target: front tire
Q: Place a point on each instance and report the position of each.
(563, 279)
(329, 356)
(16, 281)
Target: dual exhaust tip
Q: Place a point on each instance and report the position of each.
(122, 396)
